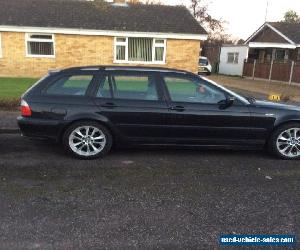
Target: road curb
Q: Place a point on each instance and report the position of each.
(9, 131)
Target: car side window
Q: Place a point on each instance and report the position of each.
(104, 88)
(182, 89)
(76, 85)
(134, 87)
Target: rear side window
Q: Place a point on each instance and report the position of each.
(76, 85)
(141, 87)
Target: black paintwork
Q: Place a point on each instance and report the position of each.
(245, 123)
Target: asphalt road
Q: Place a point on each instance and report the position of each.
(141, 198)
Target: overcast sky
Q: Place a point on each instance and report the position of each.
(245, 16)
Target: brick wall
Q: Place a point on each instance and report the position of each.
(76, 50)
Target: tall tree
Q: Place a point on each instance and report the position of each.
(291, 16)
(215, 27)
(200, 12)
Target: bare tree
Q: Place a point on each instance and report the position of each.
(214, 27)
(200, 12)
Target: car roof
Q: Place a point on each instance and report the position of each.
(124, 68)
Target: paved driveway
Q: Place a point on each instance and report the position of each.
(141, 198)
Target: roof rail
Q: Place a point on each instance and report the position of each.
(145, 69)
(53, 71)
(91, 68)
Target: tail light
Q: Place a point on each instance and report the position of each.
(25, 109)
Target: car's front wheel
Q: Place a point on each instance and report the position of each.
(285, 141)
(87, 140)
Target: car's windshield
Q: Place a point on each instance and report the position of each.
(203, 61)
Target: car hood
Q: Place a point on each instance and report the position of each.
(276, 105)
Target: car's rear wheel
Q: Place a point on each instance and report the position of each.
(87, 140)
(285, 141)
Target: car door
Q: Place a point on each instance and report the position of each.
(133, 102)
(196, 116)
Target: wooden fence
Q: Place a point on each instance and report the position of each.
(276, 71)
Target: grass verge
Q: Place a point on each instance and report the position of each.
(11, 90)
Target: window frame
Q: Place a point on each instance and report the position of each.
(98, 81)
(154, 46)
(29, 39)
(235, 57)
(1, 52)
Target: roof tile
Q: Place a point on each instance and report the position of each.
(98, 15)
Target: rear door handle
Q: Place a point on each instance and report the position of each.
(177, 108)
(109, 105)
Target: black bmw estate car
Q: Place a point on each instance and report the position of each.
(90, 109)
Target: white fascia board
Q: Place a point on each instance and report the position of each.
(272, 28)
(113, 33)
(272, 45)
(255, 33)
(279, 33)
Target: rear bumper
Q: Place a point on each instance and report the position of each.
(40, 128)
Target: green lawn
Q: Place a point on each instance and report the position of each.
(13, 88)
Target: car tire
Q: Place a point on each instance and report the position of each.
(87, 140)
(284, 139)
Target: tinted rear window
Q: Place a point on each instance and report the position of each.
(76, 85)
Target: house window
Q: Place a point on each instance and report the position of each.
(121, 45)
(139, 50)
(40, 45)
(233, 58)
(280, 54)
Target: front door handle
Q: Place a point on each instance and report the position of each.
(177, 108)
(109, 105)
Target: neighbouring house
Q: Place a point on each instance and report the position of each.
(274, 52)
(232, 59)
(278, 41)
(40, 35)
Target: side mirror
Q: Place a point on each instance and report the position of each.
(224, 104)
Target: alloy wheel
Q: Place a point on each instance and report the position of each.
(288, 143)
(87, 141)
